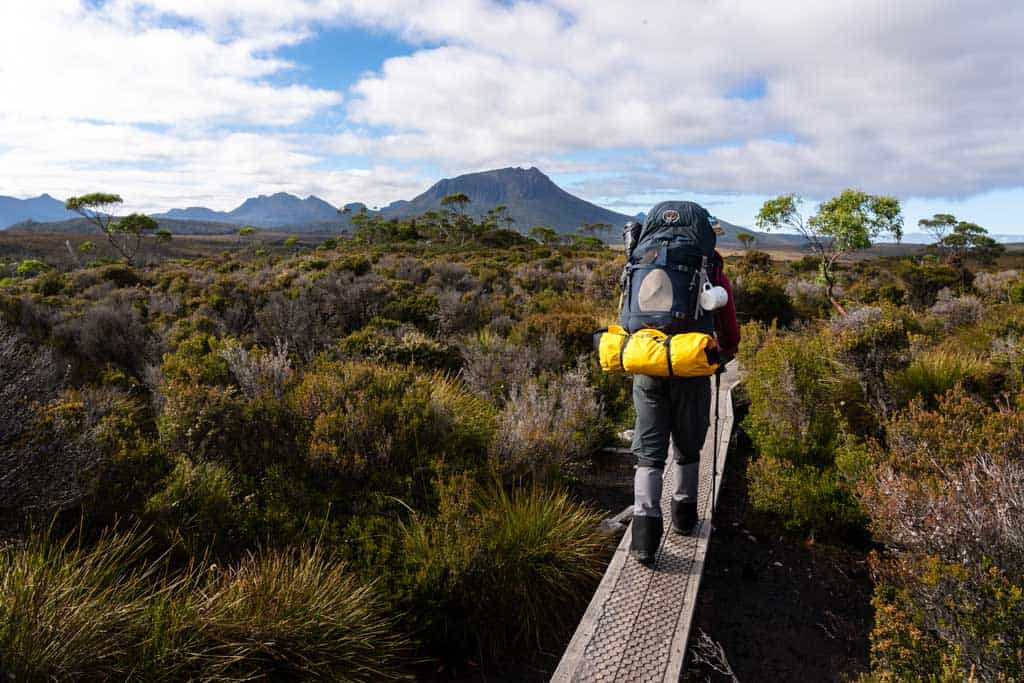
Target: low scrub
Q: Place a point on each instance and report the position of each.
(946, 498)
(791, 378)
(547, 427)
(502, 570)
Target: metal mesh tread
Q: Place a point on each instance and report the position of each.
(636, 626)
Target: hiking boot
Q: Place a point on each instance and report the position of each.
(684, 516)
(646, 538)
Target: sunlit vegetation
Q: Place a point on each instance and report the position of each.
(895, 419)
(305, 463)
(341, 460)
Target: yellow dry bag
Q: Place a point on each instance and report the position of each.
(654, 353)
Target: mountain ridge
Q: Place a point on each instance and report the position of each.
(531, 196)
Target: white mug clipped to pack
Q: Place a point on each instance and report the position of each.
(713, 297)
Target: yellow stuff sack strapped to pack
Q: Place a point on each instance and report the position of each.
(649, 352)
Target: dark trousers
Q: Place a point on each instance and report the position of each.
(680, 407)
(676, 408)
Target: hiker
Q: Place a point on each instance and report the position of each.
(674, 283)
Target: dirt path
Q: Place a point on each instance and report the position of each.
(782, 609)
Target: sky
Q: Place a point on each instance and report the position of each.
(175, 103)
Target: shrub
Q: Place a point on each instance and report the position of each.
(491, 365)
(219, 424)
(946, 499)
(924, 281)
(805, 264)
(31, 267)
(760, 296)
(197, 506)
(65, 447)
(29, 375)
(502, 571)
(402, 344)
(121, 275)
(316, 314)
(365, 419)
(872, 342)
(545, 427)
(457, 312)
(996, 287)
(789, 379)
(951, 312)
(259, 371)
(809, 298)
(801, 401)
(805, 497)
(754, 260)
(114, 332)
(573, 331)
(50, 283)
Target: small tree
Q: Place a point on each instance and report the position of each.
(125, 234)
(499, 217)
(847, 222)
(544, 235)
(245, 234)
(958, 239)
(746, 240)
(595, 229)
(456, 205)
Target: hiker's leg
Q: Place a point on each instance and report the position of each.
(650, 442)
(691, 412)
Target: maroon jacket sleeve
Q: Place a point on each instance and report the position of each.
(725, 321)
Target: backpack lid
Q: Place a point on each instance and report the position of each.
(680, 218)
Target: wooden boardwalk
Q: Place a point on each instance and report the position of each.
(638, 621)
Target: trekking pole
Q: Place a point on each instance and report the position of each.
(714, 459)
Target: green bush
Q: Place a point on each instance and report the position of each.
(402, 345)
(218, 424)
(31, 267)
(924, 281)
(762, 297)
(120, 274)
(796, 388)
(806, 498)
(362, 419)
(502, 571)
(790, 379)
(197, 506)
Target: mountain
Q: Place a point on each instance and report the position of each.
(531, 197)
(265, 211)
(42, 208)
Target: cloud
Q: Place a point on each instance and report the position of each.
(189, 101)
(917, 98)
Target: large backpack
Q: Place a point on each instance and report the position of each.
(666, 270)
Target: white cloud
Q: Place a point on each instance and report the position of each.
(918, 98)
(185, 101)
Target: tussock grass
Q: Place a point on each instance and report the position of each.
(932, 373)
(108, 612)
(503, 569)
(297, 615)
(68, 612)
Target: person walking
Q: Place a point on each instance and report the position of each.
(671, 260)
